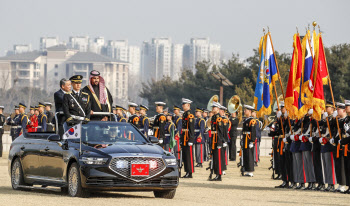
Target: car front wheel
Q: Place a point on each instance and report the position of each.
(74, 183)
(16, 175)
(167, 194)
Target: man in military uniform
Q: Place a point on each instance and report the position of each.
(178, 127)
(2, 122)
(133, 118)
(50, 116)
(218, 141)
(12, 122)
(233, 136)
(65, 86)
(187, 138)
(258, 128)
(344, 143)
(101, 99)
(144, 121)
(347, 107)
(169, 132)
(297, 155)
(33, 120)
(42, 118)
(159, 123)
(137, 111)
(76, 104)
(199, 129)
(22, 120)
(226, 126)
(120, 116)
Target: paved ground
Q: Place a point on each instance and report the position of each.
(233, 190)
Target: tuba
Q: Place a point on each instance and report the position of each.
(214, 98)
(235, 105)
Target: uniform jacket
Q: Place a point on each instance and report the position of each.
(71, 107)
(187, 134)
(199, 129)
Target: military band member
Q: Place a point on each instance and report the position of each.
(12, 122)
(344, 142)
(226, 126)
(76, 104)
(187, 138)
(2, 123)
(233, 136)
(50, 116)
(248, 141)
(33, 121)
(169, 132)
(217, 142)
(257, 140)
(22, 120)
(159, 123)
(120, 116)
(178, 127)
(287, 154)
(133, 118)
(42, 118)
(144, 121)
(199, 130)
(206, 135)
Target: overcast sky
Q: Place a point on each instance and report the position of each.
(236, 25)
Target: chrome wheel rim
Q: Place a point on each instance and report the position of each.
(15, 174)
(73, 181)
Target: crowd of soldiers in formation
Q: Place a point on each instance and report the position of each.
(310, 154)
(202, 136)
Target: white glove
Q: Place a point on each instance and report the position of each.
(286, 114)
(320, 140)
(251, 145)
(325, 115)
(219, 147)
(285, 139)
(346, 127)
(338, 141)
(160, 141)
(8, 118)
(310, 111)
(12, 121)
(335, 114)
(279, 114)
(224, 144)
(310, 139)
(331, 141)
(292, 137)
(190, 144)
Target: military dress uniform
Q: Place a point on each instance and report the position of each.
(144, 121)
(280, 148)
(42, 120)
(12, 122)
(120, 118)
(178, 128)
(187, 139)
(33, 122)
(159, 125)
(297, 155)
(273, 133)
(199, 140)
(248, 140)
(345, 143)
(169, 132)
(233, 138)
(224, 150)
(21, 122)
(2, 123)
(49, 121)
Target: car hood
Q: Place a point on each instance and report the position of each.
(132, 149)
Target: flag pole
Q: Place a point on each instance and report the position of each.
(279, 78)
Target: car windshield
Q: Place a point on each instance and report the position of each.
(111, 133)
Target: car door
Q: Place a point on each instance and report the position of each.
(53, 162)
(30, 154)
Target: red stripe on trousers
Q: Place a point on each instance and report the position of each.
(219, 151)
(191, 159)
(303, 167)
(201, 153)
(226, 156)
(178, 149)
(256, 151)
(333, 175)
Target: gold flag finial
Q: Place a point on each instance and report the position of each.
(314, 24)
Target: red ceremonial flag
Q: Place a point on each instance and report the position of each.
(293, 85)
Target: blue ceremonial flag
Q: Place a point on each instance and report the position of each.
(258, 95)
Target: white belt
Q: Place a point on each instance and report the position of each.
(50, 124)
(38, 127)
(77, 117)
(141, 129)
(14, 127)
(213, 132)
(167, 135)
(246, 132)
(155, 127)
(197, 130)
(185, 130)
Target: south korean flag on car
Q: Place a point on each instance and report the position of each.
(73, 132)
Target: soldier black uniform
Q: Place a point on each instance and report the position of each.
(159, 124)
(133, 118)
(22, 120)
(199, 138)
(76, 104)
(169, 133)
(42, 118)
(120, 117)
(50, 116)
(144, 121)
(12, 122)
(2, 122)
(187, 140)
(178, 127)
(233, 138)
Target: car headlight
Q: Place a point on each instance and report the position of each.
(94, 160)
(171, 162)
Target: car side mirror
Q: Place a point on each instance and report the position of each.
(153, 139)
(54, 138)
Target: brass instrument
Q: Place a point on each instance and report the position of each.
(214, 98)
(268, 121)
(235, 105)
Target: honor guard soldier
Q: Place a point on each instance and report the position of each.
(344, 143)
(42, 118)
(12, 122)
(225, 123)
(76, 104)
(233, 136)
(2, 122)
(144, 121)
(218, 140)
(169, 133)
(178, 127)
(22, 120)
(258, 139)
(249, 136)
(206, 135)
(137, 111)
(159, 123)
(133, 118)
(120, 116)
(187, 138)
(50, 116)
(33, 121)
(199, 129)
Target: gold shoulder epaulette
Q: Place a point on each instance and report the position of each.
(84, 93)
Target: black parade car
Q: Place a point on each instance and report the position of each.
(94, 156)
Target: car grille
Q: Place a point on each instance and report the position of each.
(115, 182)
(126, 172)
